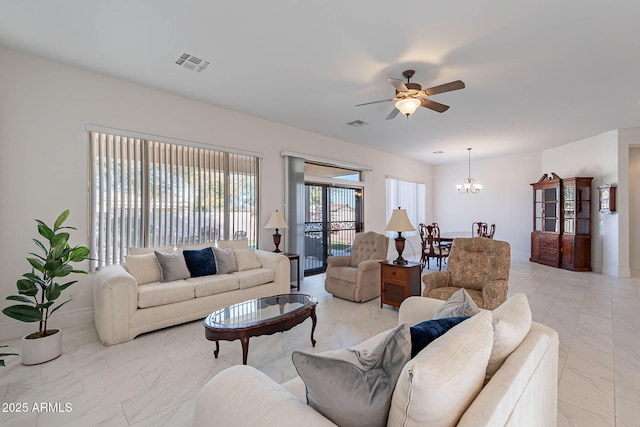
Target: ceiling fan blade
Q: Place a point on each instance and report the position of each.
(398, 84)
(447, 87)
(435, 106)
(374, 102)
(393, 114)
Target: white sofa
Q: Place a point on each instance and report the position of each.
(124, 309)
(522, 392)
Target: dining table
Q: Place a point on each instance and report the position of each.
(446, 238)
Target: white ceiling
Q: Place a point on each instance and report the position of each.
(538, 74)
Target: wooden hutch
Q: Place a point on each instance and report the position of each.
(561, 234)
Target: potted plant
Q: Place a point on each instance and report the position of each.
(39, 289)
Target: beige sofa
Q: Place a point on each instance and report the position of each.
(443, 385)
(123, 308)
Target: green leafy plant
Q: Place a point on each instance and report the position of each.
(6, 354)
(39, 289)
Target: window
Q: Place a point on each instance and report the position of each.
(407, 195)
(151, 194)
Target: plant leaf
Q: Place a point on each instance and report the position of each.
(66, 285)
(23, 313)
(44, 306)
(35, 278)
(19, 298)
(27, 287)
(35, 263)
(40, 245)
(45, 231)
(58, 306)
(79, 253)
(52, 292)
(62, 218)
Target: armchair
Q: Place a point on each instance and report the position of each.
(356, 277)
(480, 265)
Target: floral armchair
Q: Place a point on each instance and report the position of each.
(479, 265)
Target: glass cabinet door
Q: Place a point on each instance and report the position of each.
(537, 207)
(569, 207)
(583, 201)
(550, 210)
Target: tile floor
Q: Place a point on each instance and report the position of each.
(154, 379)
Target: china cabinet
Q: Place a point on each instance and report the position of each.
(561, 234)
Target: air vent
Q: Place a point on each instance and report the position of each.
(192, 63)
(357, 123)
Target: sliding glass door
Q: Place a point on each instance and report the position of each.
(333, 214)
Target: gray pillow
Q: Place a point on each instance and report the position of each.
(225, 260)
(353, 388)
(172, 266)
(458, 304)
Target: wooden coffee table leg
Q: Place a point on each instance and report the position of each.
(313, 325)
(217, 350)
(245, 349)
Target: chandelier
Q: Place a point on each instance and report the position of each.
(470, 185)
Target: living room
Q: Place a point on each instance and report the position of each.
(47, 106)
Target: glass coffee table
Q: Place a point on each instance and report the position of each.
(260, 316)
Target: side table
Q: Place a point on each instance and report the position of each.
(398, 282)
(294, 257)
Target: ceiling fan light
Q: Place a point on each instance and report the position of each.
(408, 106)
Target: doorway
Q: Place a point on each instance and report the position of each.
(333, 215)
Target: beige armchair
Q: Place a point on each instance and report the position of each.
(480, 265)
(357, 277)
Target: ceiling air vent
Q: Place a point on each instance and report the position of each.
(357, 123)
(192, 63)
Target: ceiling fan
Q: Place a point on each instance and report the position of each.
(410, 96)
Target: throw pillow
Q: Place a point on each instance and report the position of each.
(233, 244)
(354, 387)
(200, 262)
(143, 268)
(511, 323)
(172, 266)
(246, 259)
(225, 260)
(459, 304)
(425, 332)
(437, 386)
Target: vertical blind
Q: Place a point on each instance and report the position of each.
(407, 195)
(151, 194)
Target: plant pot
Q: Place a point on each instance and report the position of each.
(40, 350)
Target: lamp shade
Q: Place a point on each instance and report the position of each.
(408, 106)
(276, 221)
(399, 221)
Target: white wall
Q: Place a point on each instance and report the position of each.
(44, 153)
(606, 158)
(505, 198)
(634, 209)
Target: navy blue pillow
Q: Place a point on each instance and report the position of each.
(425, 332)
(200, 262)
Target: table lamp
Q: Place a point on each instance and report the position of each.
(276, 221)
(399, 222)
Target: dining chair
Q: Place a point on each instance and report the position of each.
(482, 229)
(479, 229)
(432, 246)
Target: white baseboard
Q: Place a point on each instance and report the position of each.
(15, 329)
(616, 272)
